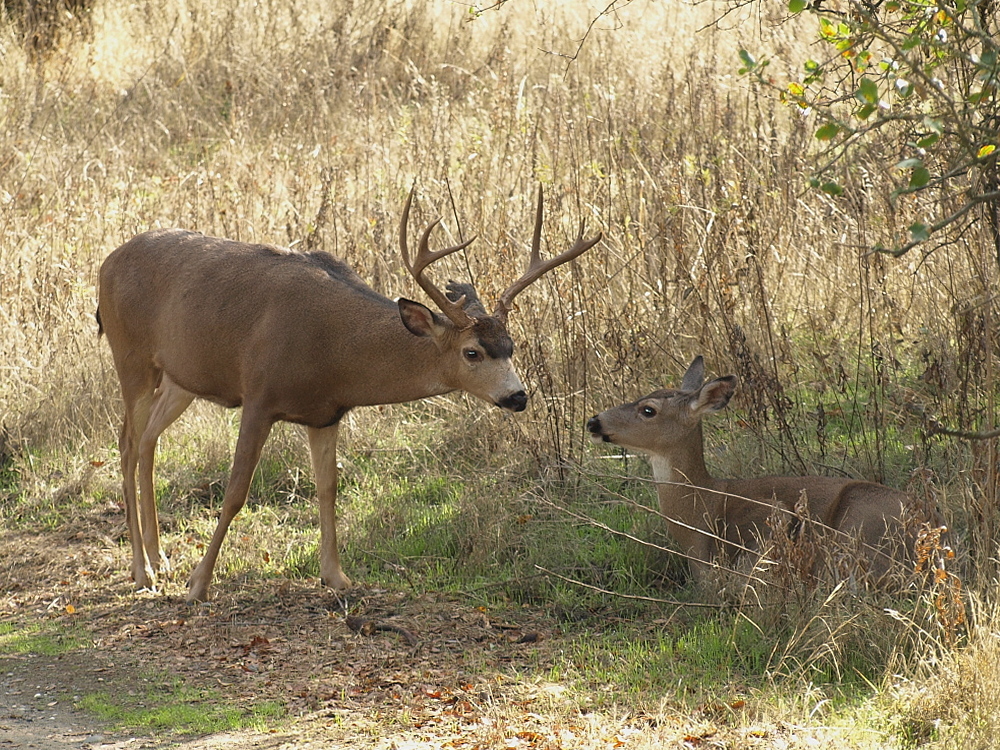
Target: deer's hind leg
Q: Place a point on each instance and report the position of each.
(871, 515)
(254, 428)
(169, 402)
(138, 387)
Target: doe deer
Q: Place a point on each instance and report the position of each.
(712, 519)
(289, 336)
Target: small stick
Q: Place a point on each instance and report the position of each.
(370, 627)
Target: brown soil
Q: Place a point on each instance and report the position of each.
(404, 669)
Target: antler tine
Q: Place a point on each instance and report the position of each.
(536, 266)
(454, 310)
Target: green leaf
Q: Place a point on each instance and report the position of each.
(920, 177)
(831, 188)
(912, 163)
(814, 71)
(749, 62)
(866, 111)
(919, 232)
(797, 6)
(933, 125)
(928, 141)
(828, 132)
(867, 91)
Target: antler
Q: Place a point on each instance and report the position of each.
(453, 309)
(536, 266)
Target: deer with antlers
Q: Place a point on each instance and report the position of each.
(287, 336)
(714, 520)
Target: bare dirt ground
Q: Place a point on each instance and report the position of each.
(400, 670)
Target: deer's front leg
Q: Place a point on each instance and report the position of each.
(323, 449)
(254, 430)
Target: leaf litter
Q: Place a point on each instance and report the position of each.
(400, 669)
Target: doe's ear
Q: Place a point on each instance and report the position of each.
(715, 394)
(419, 319)
(695, 375)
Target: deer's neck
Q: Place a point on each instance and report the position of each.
(686, 496)
(405, 367)
(684, 465)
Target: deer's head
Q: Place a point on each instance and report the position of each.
(476, 342)
(664, 420)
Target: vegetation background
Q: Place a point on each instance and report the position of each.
(305, 124)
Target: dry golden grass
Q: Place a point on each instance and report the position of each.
(305, 125)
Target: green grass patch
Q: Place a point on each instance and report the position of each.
(695, 661)
(44, 639)
(173, 706)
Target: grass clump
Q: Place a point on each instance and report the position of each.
(45, 639)
(178, 708)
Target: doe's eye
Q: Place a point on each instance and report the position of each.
(647, 411)
(472, 355)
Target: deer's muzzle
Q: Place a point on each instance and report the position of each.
(597, 431)
(514, 402)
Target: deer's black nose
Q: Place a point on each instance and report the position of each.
(515, 401)
(594, 425)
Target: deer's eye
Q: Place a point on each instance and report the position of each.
(647, 411)
(472, 355)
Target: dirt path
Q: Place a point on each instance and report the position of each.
(34, 712)
(37, 696)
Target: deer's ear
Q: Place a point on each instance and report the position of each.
(695, 375)
(419, 319)
(715, 394)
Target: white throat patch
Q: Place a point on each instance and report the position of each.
(663, 471)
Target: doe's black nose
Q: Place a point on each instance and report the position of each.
(515, 401)
(594, 425)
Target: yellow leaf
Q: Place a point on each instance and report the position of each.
(70, 609)
(986, 150)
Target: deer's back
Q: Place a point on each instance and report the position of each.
(861, 508)
(209, 310)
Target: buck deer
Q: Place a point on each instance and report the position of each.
(289, 336)
(714, 518)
